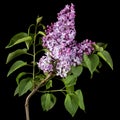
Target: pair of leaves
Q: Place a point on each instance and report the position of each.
(104, 54)
(73, 101)
(25, 82)
(93, 61)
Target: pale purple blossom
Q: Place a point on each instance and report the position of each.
(45, 63)
(64, 51)
(63, 31)
(87, 46)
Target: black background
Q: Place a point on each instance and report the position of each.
(95, 20)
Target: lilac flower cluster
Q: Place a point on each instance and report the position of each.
(64, 51)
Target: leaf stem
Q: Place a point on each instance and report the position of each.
(60, 90)
(34, 54)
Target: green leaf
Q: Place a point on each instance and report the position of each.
(71, 103)
(23, 87)
(48, 100)
(19, 38)
(91, 61)
(49, 84)
(80, 99)
(70, 80)
(101, 44)
(19, 76)
(18, 64)
(39, 19)
(77, 70)
(41, 33)
(43, 26)
(39, 78)
(69, 83)
(29, 42)
(42, 50)
(105, 55)
(16, 53)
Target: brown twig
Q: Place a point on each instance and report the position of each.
(32, 93)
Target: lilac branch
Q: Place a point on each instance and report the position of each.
(32, 93)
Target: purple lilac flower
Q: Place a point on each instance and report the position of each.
(63, 31)
(64, 51)
(87, 46)
(45, 63)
